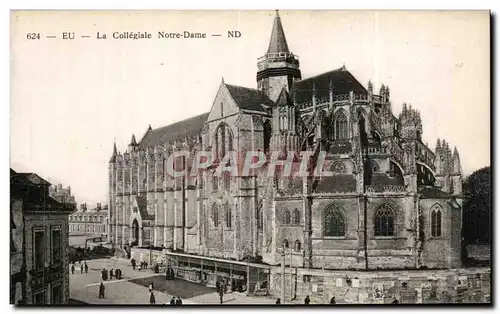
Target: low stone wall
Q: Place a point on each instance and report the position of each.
(468, 285)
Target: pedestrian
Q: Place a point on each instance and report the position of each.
(111, 273)
(86, 267)
(133, 263)
(151, 287)
(172, 301)
(178, 301)
(101, 290)
(72, 269)
(217, 286)
(307, 300)
(221, 294)
(81, 268)
(332, 300)
(152, 298)
(278, 301)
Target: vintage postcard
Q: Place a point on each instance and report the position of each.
(250, 157)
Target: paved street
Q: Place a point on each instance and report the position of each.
(133, 288)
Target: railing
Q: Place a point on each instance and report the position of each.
(375, 150)
(278, 55)
(385, 189)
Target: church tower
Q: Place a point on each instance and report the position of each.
(278, 68)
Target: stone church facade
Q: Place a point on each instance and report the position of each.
(392, 202)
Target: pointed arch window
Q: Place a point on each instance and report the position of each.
(228, 218)
(436, 215)
(334, 222)
(297, 247)
(286, 245)
(223, 140)
(260, 219)
(296, 217)
(384, 221)
(227, 180)
(287, 217)
(341, 127)
(215, 215)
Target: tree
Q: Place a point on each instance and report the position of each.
(477, 207)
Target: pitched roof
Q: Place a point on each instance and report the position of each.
(277, 43)
(249, 98)
(343, 82)
(35, 179)
(342, 183)
(433, 192)
(175, 131)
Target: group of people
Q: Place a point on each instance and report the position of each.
(142, 265)
(176, 301)
(112, 272)
(83, 267)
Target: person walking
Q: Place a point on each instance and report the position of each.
(178, 301)
(152, 298)
(332, 300)
(307, 300)
(86, 267)
(278, 301)
(221, 295)
(111, 273)
(172, 301)
(73, 268)
(101, 290)
(81, 268)
(133, 263)
(151, 287)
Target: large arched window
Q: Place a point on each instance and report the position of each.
(384, 221)
(436, 214)
(334, 222)
(286, 217)
(340, 126)
(215, 215)
(223, 140)
(228, 216)
(296, 217)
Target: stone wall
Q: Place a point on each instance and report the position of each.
(357, 287)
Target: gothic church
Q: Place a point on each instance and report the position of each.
(393, 202)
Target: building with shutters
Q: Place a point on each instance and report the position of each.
(38, 242)
(392, 202)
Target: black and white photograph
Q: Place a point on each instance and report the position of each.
(250, 157)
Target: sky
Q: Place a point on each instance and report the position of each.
(71, 99)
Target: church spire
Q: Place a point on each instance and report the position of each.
(277, 43)
(115, 152)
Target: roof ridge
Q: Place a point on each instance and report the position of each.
(179, 121)
(320, 74)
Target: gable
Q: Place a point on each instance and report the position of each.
(223, 105)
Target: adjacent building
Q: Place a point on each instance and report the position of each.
(89, 221)
(392, 202)
(38, 242)
(62, 195)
